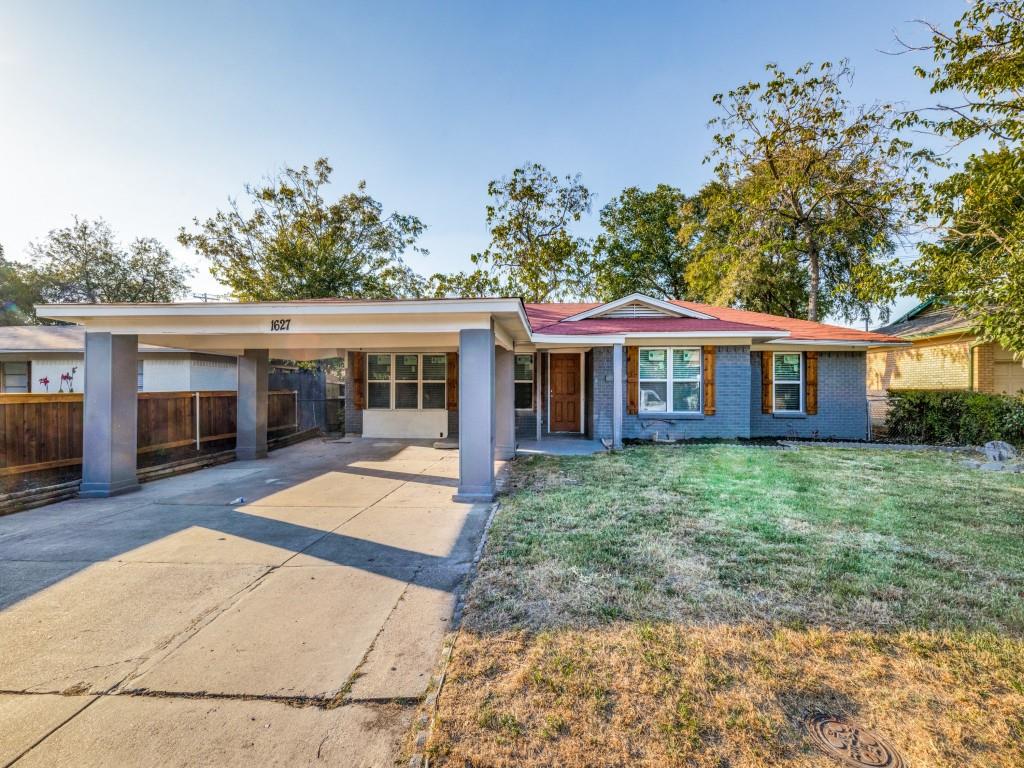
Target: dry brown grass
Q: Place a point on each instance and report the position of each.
(724, 695)
(692, 607)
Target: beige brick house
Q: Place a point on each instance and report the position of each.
(944, 354)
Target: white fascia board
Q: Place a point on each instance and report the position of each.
(574, 340)
(84, 312)
(643, 299)
(705, 334)
(632, 338)
(834, 343)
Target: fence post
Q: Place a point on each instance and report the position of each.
(295, 392)
(198, 445)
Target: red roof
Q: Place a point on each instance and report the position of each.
(550, 319)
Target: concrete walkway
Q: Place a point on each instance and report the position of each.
(179, 626)
(559, 446)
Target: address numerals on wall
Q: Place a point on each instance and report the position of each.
(281, 325)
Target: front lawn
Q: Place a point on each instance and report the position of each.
(693, 605)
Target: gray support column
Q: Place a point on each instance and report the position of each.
(504, 404)
(617, 377)
(110, 436)
(476, 415)
(251, 415)
(538, 371)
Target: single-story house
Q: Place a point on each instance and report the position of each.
(944, 353)
(493, 371)
(50, 358)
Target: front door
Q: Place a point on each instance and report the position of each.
(565, 392)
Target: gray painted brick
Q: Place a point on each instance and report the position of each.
(842, 401)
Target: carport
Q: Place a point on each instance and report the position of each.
(485, 333)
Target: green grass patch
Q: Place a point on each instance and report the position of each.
(723, 532)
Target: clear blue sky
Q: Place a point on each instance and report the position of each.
(149, 114)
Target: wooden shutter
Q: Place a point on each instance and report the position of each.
(811, 383)
(358, 381)
(767, 374)
(632, 380)
(709, 381)
(453, 381)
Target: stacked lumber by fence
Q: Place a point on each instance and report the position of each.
(44, 431)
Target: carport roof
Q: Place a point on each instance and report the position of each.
(303, 329)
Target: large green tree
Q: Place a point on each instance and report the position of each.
(977, 260)
(647, 243)
(809, 184)
(533, 251)
(19, 289)
(86, 263)
(728, 270)
(290, 242)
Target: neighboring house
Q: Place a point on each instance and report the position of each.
(40, 358)
(687, 371)
(945, 354)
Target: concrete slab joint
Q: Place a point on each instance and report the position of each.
(476, 415)
(110, 434)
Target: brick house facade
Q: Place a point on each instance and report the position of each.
(720, 352)
(944, 353)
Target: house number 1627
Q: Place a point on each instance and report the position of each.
(280, 325)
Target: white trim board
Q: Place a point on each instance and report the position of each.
(638, 298)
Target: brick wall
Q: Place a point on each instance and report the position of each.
(601, 384)
(932, 365)
(842, 401)
(353, 417)
(984, 368)
(732, 405)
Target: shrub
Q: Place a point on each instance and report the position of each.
(953, 417)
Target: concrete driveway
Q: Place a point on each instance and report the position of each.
(179, 626)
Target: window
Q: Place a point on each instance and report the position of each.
(406, 381)
(407, 374)
(378, 381)
(524, 382)
(138, 375)
(788, 378)
(435, 376)
(670, 380)
(15, 377)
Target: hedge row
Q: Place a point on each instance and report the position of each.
(953, 417)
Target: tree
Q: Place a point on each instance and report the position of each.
(19, 287)
(977, 261)
(293, 244)
(806, 180)
(647, 244)
(730, 271)
(85, 263)
(533, 253)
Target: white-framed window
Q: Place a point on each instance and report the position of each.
(435, 381)
(788, 382)
(670, 379)
(138, 375)
(406, 381)
(15, 377)
(524, 382)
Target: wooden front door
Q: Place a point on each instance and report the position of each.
(565, 392)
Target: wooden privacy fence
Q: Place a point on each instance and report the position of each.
(44, 431)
